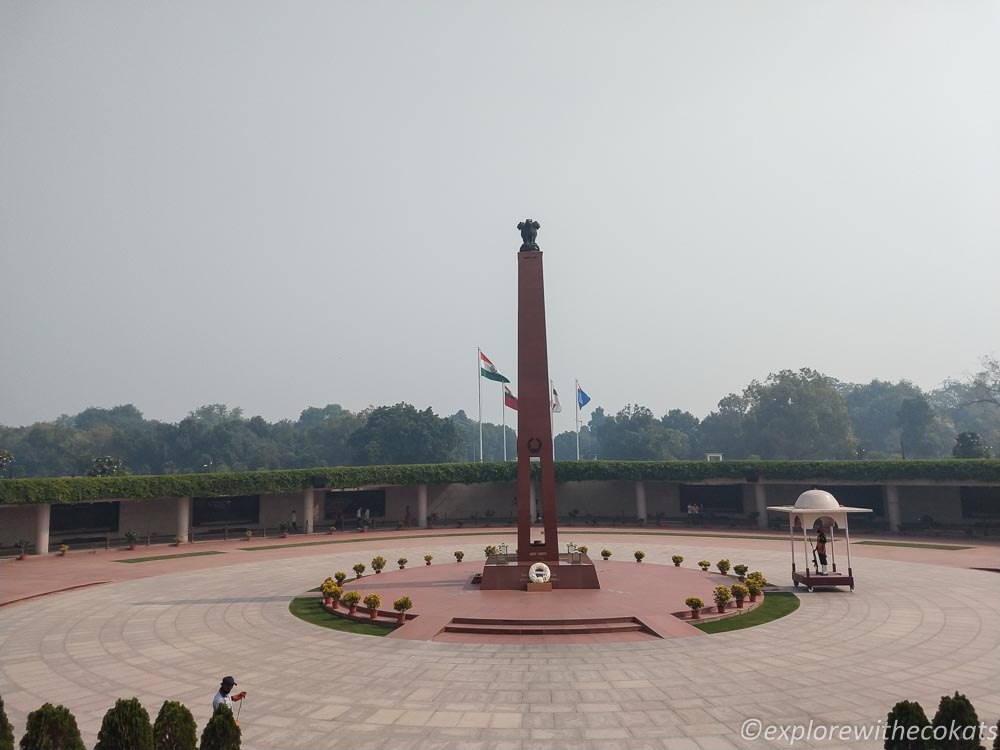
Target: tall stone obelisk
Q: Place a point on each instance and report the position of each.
(534, 411)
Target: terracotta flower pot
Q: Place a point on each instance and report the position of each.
(327, 601)
(402, 618)
(721, 608)
(695, 614)
(677, 565)
(753, 597)
(131, 548)
(377, 571)
(428, 562)
(739, 604)
(22, 556)
(352, 610)
(373, 614)
(401, 567)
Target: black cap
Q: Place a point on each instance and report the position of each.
(228, 680)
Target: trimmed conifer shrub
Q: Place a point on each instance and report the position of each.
(904, 715)
(6, 730)
(221, 732)
(174, 728)
(955, 712)
(51, 728)
(125, 725)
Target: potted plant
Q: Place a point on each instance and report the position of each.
(740, 593)
(131, 537)
(351, 599)
(22, 544)
(583, 549)
(402, 604)
(639, 554)
(605, 553)
(332, 530)
(704, 565)
(491, 550)
(359, 569)
(741, 571)
(327, 588)
(678, 559)
(428, 558)
(340, 576)
(723, 566)
(284, 530)
(248, 535)
(63, 549)
(753, 588)
(722, 597)
(373, 602)
(378, 563)
(401, 562)
(694, 604)
(335, 593)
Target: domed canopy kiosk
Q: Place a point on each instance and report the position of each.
(812, 506)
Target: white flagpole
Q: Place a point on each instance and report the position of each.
(479, 381)
(503, 411)
(576, 397)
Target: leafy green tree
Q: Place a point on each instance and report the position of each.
(125, 726)
(221, 732)
(873, 409)
(51, 728)
(123, 417)
(725, 430)
(108, 466)
(400, 434)
(917, 436)
(797, 415)
(174, 728)
(956, 714)
(986, 383)
(902, 717)
(6, 730)
(970, 445)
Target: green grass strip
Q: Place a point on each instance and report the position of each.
(508, 530)
(917, 545)
(170, 557)
(310, 609)
(775, 606)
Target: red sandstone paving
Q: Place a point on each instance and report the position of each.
(46, 574)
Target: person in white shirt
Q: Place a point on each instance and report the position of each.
(224, 697)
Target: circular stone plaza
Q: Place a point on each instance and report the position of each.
(85, 629)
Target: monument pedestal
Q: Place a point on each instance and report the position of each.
(565, 575)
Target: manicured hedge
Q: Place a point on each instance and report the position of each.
(85, 489)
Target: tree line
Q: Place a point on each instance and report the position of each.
(800, 414)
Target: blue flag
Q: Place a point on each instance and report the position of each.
(582, 399)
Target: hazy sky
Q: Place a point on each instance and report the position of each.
(276, 205)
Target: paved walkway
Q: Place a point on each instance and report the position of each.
(920, 625)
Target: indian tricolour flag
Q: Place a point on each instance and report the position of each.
(489, 370)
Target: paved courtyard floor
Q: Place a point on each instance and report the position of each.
(921, 624)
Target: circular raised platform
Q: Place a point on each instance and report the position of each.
(635, 602)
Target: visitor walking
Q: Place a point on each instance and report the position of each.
(224, 695)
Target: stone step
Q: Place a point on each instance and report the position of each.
(630, 625)
(571, 621)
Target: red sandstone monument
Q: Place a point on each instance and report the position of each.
(534, 441)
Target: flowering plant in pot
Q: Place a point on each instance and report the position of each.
(63, 549)
(459, 555)
(359, 569)
(373, 602)
(401, 562)
(335, 593)
(639, 554)
(351, 599)
(22, 544)
(754, 588)
(378, 563)
(605, 553)
(491, 550)
(678, 559)
(428, 558)
(583, 549)
(402, 604)
(722, 596)
(704, 565)
(284, 530)
(248, 535)
(131, 537)
(340, 576)
(327, 588)
(741, 571)
(740, 593)
(694, 604)
(178, 541)
(723, 566)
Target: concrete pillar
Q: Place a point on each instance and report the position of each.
(183, 517)
(42, 515)
(533, 500)
(422, 506)
(760, 500)
(640, 500)
(308, 508)
(892, 507)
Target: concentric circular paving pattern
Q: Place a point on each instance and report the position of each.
(910, 631)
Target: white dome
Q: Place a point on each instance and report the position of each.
(817, 500)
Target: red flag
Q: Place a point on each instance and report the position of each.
(509, 399)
